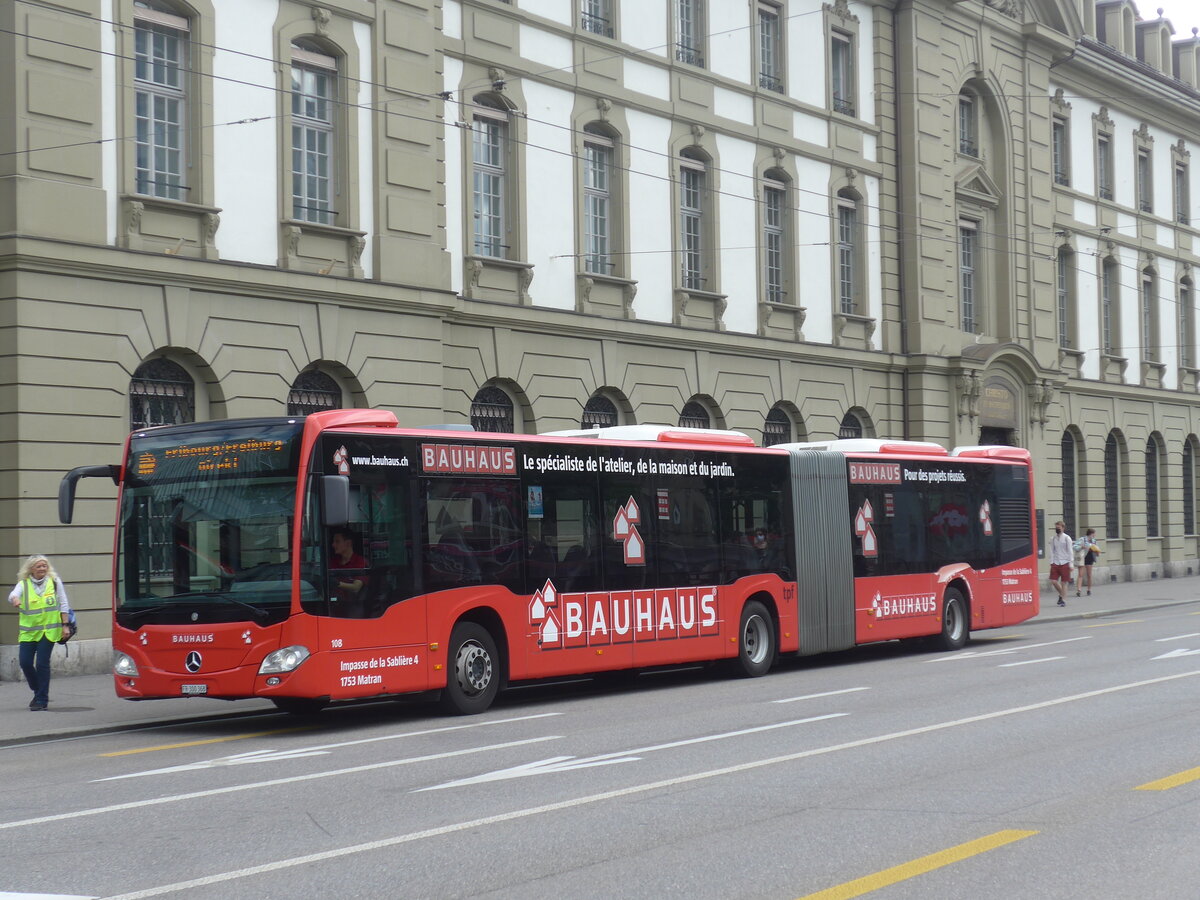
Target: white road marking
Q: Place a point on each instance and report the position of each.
(566, 763)
(1177, 652)
(1027, 662)
(1004, 651)
(1178, 637)
(254, 756)
(824, 694)
(397, 840)
(274, 782)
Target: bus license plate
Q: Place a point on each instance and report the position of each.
(195, 688)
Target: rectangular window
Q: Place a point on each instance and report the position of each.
(1107, 298)
(847, 251)
(770, 57)
(1063, 296)
(1145, 183)
(1061, 151)
(1182, 195)
(1189, 488)
(489, 150)
(968, 246)
(1149, 342)
(596, 16)
(160, 100)
(841, 74)
(689, 22)
(1104, 167)
(691, 223)
(313, 84)
(597, 205)
(968, 142)
(774, 211)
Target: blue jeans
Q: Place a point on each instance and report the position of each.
(35, 663)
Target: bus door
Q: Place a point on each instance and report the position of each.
(824, 564)
(369, 615)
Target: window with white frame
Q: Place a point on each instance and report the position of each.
(1182, 194)
(314, 88)
(774, 225)
(489, 192)
(841, 73)
(847, 255)
(1148, 313)
(1104, 166)
(690, 32)
(161, 42)
(968, 261)
(597, 203)
(1108, 300)
(693, 202)
(770, 47)
(596, 16)
(1145, 181)
(968, 125)
(1060, 150)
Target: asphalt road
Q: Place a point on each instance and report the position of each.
(1056, 760)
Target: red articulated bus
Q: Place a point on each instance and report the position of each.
(339, 556)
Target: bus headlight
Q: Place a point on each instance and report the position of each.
(124, 665)
(283, 660)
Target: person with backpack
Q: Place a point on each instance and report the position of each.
(45, 620)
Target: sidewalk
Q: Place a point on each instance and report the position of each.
(86, 704)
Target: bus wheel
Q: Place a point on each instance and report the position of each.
(474, 676)
(756, 641)
(954, 620)
(300, 706)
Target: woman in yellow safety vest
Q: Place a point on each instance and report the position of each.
(42, 600)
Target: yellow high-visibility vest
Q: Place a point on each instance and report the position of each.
(39, 612)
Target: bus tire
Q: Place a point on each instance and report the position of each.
(300, 706)
(473, 679)
(955, 624)
(756, 641)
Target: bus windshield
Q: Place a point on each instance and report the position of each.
(206, 524)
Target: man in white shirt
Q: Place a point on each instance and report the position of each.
(1061, 554)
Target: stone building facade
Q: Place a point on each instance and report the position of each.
(953, 221)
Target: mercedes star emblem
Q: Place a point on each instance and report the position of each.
(193, 661)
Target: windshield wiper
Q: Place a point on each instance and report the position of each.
(260, 615)
(125, 612)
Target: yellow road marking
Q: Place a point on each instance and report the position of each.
(916, 867)
(220, 740)
(1107, 624)
(1170, 781)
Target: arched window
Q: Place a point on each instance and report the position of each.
(312, 392)
(314, 121)
(1189, 485)
(1070, 487)
(600, 412)
(848, 255)
(161, 392)
(777, 429)
(1112, 487)
(694, 415)
(1153, 451)
(851, 426)
(492, 410)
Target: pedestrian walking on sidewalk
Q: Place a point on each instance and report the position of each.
(1062, 554)
(40, 597)
(1091, 552)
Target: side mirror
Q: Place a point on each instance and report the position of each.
(66, 487)
(335, 500)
